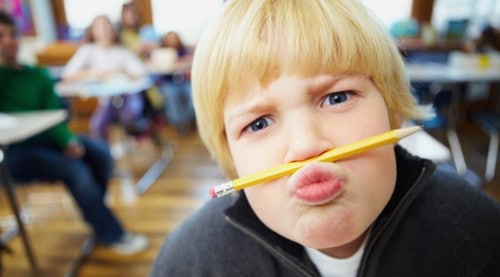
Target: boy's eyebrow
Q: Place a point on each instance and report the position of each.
(326, 81)
(239, 110)
(323, 82)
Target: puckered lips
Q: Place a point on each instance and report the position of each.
(316, 183)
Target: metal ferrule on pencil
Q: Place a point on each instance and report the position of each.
(223, 189)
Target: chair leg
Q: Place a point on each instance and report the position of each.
(456, 152)
(167, 153)
(492, 158)
(87, 247)
(11, 197)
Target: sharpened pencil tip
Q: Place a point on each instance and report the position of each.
(408, 131)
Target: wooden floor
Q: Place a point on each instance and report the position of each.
(57, 232)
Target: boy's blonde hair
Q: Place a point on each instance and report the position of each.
(258, 40)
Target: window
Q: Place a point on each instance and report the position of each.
(189, 17)
(186, 17)
(389, 11)
(478, 12)
(80, 13)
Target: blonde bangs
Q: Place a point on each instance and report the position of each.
(307, 39)
(257, 41)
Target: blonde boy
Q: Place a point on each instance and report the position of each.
(286, 80)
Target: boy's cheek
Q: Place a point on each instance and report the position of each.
(268, 201)
(250, 163)
(249, 159)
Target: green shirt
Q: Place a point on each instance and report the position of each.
(31, 88)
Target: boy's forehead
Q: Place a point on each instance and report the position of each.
(239, 97)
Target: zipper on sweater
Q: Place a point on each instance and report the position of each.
(283, 256)
(380, 231)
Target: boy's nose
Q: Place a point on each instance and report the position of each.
(307, 140)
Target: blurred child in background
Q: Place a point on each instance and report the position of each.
(102, 57)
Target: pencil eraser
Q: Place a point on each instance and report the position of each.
(211, 191)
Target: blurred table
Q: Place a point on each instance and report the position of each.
(83, 96)
(25, 124)
(118, 86)
(432, 72)
(460, 68)
(422, 144)
(102, 88)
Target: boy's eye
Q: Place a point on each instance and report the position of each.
(258, 124)
(336, 98)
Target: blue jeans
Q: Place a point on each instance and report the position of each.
(86, 178)
(178, 104)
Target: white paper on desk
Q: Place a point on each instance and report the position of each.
(115, 86)
(6, 121)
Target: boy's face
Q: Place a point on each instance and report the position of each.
(327, 206)
(8, 44)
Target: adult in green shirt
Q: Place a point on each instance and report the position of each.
(84, 165)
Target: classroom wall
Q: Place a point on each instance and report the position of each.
(43, 20)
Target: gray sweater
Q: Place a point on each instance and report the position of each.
(434, 225)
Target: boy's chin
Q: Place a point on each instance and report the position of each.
(327, 231)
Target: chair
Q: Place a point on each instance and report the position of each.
(490, 124)
(56, 54)
(445, 98)
(42, 199)
(80, 112)
(149, 125)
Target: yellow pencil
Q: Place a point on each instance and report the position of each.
(335, 154)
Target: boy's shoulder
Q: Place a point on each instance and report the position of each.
(203, 222)
(450, 228)
(461, 195)
(455, 216)
(202, 241)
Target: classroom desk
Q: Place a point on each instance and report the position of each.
(453, 73)
(111, 87)
(422, 144)
(117, 86)
(432, 72)
(83, 95)
(20, 126)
